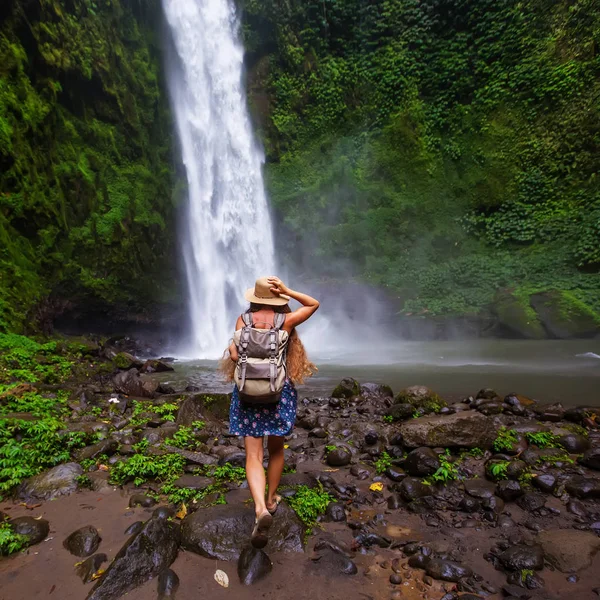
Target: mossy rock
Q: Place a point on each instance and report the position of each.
(124, 360)
(565, 316)
(420, 396)
(516, 314)
(346, 388)
(200, 406)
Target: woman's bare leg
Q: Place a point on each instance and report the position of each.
(255, 472)
(275, 468)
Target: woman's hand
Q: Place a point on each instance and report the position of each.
(277, 286)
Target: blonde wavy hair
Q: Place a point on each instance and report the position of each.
(299, 367)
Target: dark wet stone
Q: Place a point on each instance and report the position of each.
(395, 579)
(515, 469)
(376, 390)
(333, 560)
(83, 542)
(163, 512)
(421, 462)
(486, 394)
(519, 557)
(235, 459)
(35, 530)
(143, 557)
(545, 482)
(479, 488)
(551, 412)
(347, 388)
(400, 412)
(193, 482)
(134, 528)
(131, 383)
(491, 408)
(335, 512)
(394, 502)
(371, 437)
(141, 500)
(335, 403)
(447, 570)
(516, 591)
(108, 447)
(591, 459)
(58, 481)
(469, 504)
(583, 487)
(395, 474)
(574, 443)
(221, 532)
(505, 521)
(89, 567)
(531, 502)
(340, 457)
(509, 490)
(372, 539)
(253, 565)
(411, 489)
(418, 561)
(168, 584)
(493, 504)
(577, 508)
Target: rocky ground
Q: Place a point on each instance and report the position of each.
(387, 496)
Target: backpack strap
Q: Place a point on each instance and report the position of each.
(278, 321)
(244, 339)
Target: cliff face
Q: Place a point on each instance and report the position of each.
(86, 211)
(448, 151)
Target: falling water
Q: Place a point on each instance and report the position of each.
(227, 237)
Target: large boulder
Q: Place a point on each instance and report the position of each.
(565, 316)
(253, 565)
(58, 481)
(107, 446)
(569, 550)
(346, 388)
(83, 542)
(222, 532)
(591, 459)
(520, 557)
(420, 396)
(198, 406)
(34, 530)
(517, 316)
(422, 462)
(132, 384)
(463, 430)
(144, 556)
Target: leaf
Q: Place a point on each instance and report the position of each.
(221, 578)
(376, 487)
(98, 574)
(182, 512)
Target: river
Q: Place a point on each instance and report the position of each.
(548, 371)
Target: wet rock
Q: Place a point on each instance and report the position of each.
(35, 530)
(577, 508)
(318, 432)
(156, 366)
(168, 584)
(395, 579)
(88, 568)
(479, 488)
(372, 539)
(505, 521)
(465, 430)
(531, 502)
(574, 443)
(220, 532)
(469, 505)
(141, 500)
(134, 528)
(193, 482)
(132, 384)
(395, 474)
(400, 412)
(515, 469)
(335, 512)
(376, 390)
(333, 560)
(545, 482)
(394, 502)
(486, 394)
(418, 561)
(569, 550)
(347, 388)
(583, 487)
(516, 591)
(143, 557)
(371, 437)
(340, 457)
(108, 447)
(421, 462)
(195, 408)
(253, 565)
(591, 459)
(550, 412)
(83, 542)
(58, 481)
(509, 490)
(520, 557)
(410, 489)
(491, 408)
(493, 504)
(447, 570)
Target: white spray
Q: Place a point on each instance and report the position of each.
(228, 233)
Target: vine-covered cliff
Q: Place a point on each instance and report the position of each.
(86, 210)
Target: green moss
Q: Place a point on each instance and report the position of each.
(515, 312)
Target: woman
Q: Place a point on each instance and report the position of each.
(254, 421)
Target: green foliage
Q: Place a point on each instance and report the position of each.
(543, 439)
(309, 504)
(388, 419)
(447, 471)
(10, 542)
(140, 468)
(183, 438)
(498, 469)
(444, 154)
(227, 472)
(383, 463)
(166, 411)
(505, 440)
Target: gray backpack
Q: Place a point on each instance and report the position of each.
(260, 372)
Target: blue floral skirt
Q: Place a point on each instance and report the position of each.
(256, 420)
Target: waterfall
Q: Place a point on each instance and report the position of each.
(227, 234)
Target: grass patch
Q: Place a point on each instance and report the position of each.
(309, 504)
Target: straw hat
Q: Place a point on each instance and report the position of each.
(261, 294)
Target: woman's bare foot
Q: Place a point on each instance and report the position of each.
(273, 504)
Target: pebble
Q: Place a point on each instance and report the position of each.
(395, 579)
